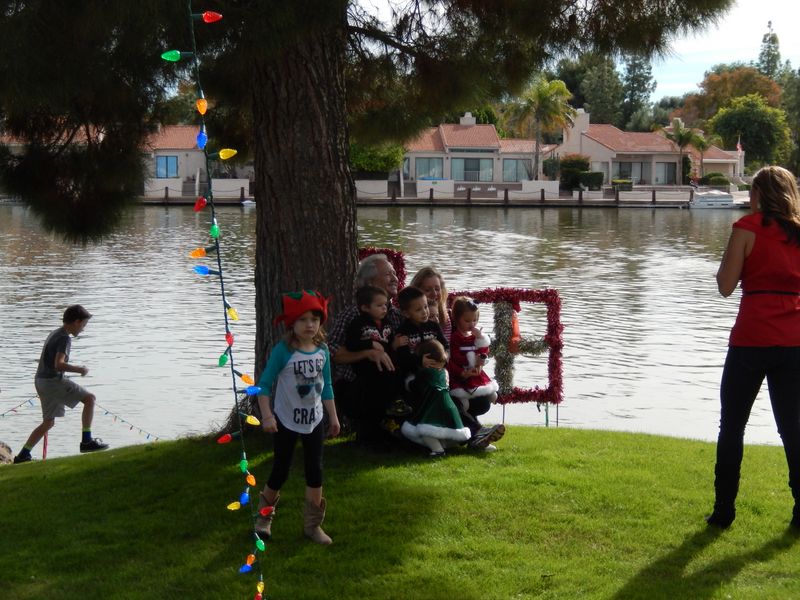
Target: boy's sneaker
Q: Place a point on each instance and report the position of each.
(93, 446)
(398, 409)
(490, 448)
(22, 459)
(486, 436)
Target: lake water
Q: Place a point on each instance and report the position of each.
(645, 329)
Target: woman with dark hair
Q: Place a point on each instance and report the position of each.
(764, 253)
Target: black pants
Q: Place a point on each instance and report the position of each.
(477, 406)
(745, 370)
(284, 441)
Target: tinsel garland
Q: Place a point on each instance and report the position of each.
(506, 301)
(396, 258)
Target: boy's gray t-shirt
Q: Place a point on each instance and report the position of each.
(57, 341)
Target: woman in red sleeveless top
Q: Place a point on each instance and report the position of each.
(764, 253)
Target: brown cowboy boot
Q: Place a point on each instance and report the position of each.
(264, 522)
(313, 516)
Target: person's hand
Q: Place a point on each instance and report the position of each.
(382, 360)
(473, 372)
(429, 363)
(83, 371)
(377, 345)
(334, 427)
(400, 340)
(269, 424)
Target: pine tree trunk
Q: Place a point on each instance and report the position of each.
(306, 215)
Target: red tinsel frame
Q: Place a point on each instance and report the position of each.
(396, 258)
(554, 392)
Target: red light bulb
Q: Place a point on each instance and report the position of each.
(225, 438)
(200, 204)
(229, 338)
(211, 17)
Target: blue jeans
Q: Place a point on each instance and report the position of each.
(744, 372)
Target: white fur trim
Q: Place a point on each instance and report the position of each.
(410, 431)
(408, 381)
(444, 433)
(483, 390)
(470, 358)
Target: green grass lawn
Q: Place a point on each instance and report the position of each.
(555, 513)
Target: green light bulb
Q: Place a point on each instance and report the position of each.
(223, 359)
(260, 545)
(172, 55)
(243, 465)
(214, 231)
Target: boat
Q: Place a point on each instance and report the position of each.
(712, 199)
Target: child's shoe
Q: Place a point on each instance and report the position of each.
(436, 454)
(18, 460)
(94, 445)
(398, 408)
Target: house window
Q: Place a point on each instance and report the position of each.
(517, 169)
(472, 169)
(665, 172)
(166, 166)
(406, 168)
(429, 168)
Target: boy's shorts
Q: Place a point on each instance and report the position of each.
(56, 393)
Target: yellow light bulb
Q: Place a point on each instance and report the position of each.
(198, 253)
(202, 105)
(260, 587)
(234, 506)
(247, 379)
(227, 153)
(251, 480)
(251, 420)
(234, 316)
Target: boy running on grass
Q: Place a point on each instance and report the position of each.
(55, 391)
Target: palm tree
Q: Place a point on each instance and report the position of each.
(701, 144)
(681, 136)
(543, 106)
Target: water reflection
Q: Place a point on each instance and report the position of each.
(645, 329)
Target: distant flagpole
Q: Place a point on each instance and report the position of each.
(739, 155)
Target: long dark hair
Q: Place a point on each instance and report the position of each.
(779, 199)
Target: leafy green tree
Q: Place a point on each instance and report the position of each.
(291, 81)
(572, 72)
(637, 86)
(604, 93)
(375, 158)
(762, 129)
(791, 106)
(543, 106)
(701, 144)
(769, 57)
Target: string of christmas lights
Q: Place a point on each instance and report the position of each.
(17, 407)
(251, 562)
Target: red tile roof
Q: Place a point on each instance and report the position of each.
(469, 136)
(714, 153)
(629, 141)
(427, 141)
(173, 137)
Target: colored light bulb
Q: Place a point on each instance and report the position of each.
(201, 270)
(251, 420)
(202, 138)
(250, 479)
(232, 314)
(251, 558)
(266, 511)
(201, 104)
(258, 596)
(245, 568)
(171, 55)
(227, 153)
(234, 506)
(253, 390)
(223, 359)
(243, 465)
(200, 204)
(198, 253)
(244, 497)
(214, 231)
(260, 587)
(210, 16)
(247, 379)
(224, 438)
(260, 544)
(229, 338)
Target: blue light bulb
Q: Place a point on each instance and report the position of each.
(202, 138)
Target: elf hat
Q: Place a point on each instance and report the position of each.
(297, 303)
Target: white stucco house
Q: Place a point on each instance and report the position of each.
(453, 157)
(647, 158)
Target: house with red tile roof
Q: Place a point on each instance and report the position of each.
(469, 153)
(647, 158)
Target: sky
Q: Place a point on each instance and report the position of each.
(737, 37)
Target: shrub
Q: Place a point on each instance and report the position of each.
(721, 180)
(625, 185)
(375, 159)
(744, 187)
(591, 179)
(550, 167)
(705, 179)
(579, 162)
(570, 178)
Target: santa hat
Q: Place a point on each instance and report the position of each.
(297, 303)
